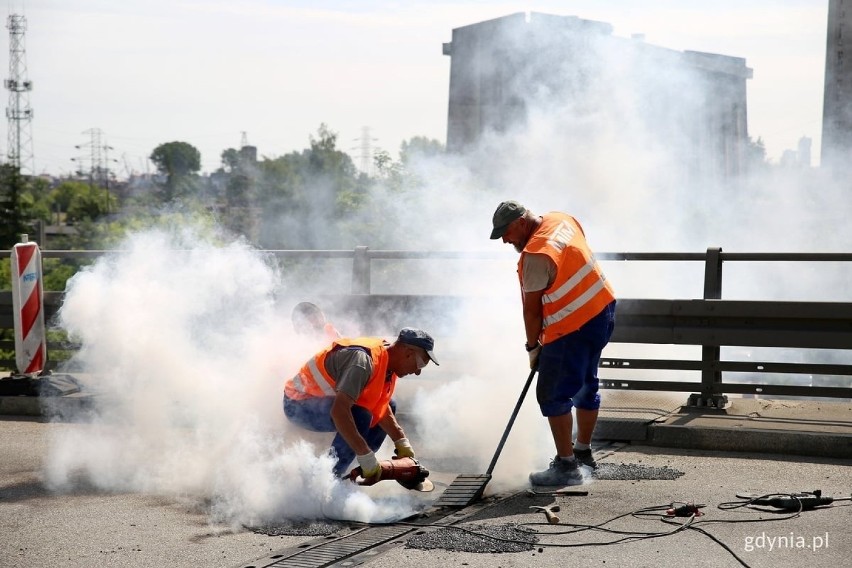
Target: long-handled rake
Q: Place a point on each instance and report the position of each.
(467, 488)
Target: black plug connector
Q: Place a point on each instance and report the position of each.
(685, 510)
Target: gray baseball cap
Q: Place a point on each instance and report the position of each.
(506, 212)
(418, 338)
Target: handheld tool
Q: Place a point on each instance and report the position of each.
(549, 513)
(791, 501)
(406, 471)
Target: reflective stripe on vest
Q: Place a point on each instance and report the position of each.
(312, 380)
(319, 379)
(572, 282)
(561, 238)
(581, 300)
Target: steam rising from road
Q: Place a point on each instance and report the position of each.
(188, 352)
(191, 349)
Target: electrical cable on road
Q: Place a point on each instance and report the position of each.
(792, 506)
(681, 516)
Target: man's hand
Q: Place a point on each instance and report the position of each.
(403, 448)
(534, 352)
(371, 471)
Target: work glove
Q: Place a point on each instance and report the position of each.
(534, 353)
(403, 448)
(371, 471)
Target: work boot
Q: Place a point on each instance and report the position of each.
(585, 457)
(561, 472)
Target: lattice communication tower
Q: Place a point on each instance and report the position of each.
(19, 113)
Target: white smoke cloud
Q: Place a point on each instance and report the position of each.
(191, 348)
(187, 351)
(618, 167)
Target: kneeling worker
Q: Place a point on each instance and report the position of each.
(347, 388)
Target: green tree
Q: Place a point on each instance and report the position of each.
(87, 203)
(63, 194)
(420, 147)
(280, 181)
(304, 195)
(332, 171)
(390, 174)
(239, 192)
(179, 161)
(401, 176)
(242, 173)
(230, 160)
(37, 201)
(756, 155)
(76, 201)
(13, 212)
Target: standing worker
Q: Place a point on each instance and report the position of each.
(347, 388)
(569, 315)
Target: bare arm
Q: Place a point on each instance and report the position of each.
(391, 426)
(533, 321)
(538, 273)
(341, 415)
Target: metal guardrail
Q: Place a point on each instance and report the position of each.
(709, 322)
(714, 324)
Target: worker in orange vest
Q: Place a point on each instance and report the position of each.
(348, 388)
(569, 315)
(308, 319)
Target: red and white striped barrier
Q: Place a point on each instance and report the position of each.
(28, 307)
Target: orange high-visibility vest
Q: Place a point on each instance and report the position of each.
(313, 380)
(580, 290)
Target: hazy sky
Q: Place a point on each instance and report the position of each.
(146, 72)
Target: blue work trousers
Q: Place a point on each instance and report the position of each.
(315, 414)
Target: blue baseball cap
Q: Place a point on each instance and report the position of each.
(418, 338)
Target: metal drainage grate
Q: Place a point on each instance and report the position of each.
(328, 553)
(464, 490)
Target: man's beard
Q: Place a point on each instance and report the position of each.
(519, 248)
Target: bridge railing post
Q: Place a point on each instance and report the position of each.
(361, 271)
(711, 377)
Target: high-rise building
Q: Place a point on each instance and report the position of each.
(836, 150)
(692, 104)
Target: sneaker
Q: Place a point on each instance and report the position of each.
(561, 472)
(585, 457)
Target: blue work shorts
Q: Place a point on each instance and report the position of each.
(568, 367)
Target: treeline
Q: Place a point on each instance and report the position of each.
(274, 202)
(315, 198)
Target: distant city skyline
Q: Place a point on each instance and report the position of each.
(203, 72)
